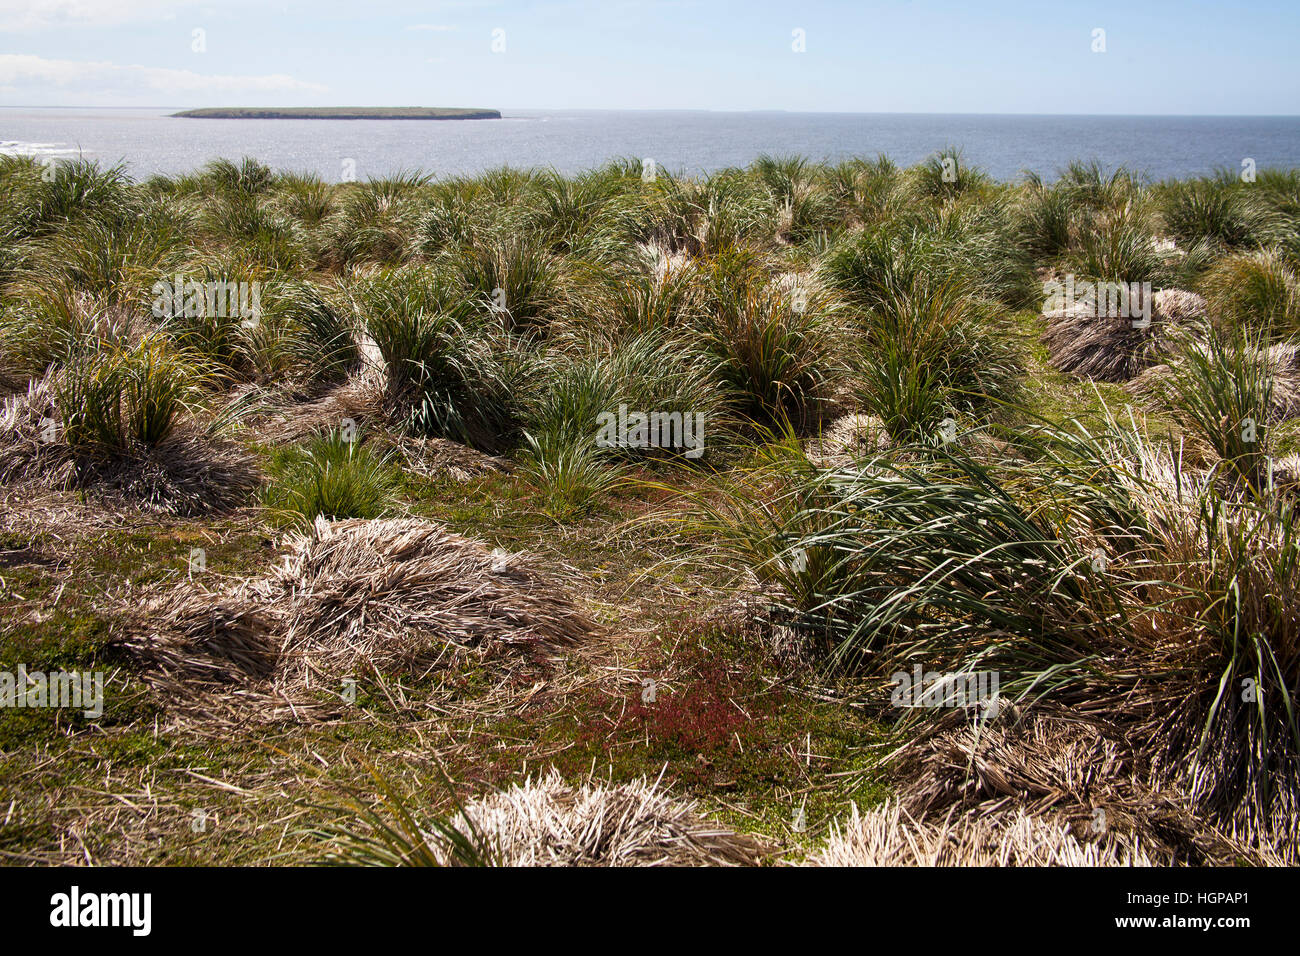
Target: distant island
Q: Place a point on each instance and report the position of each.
(341, 113)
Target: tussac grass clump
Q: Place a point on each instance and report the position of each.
(1101, 575)
(1258, 290)
(130, 442)
(900, 457)
(1220, 386)
(115, 399)
(447, 370)
(928, 353)
(775, 345)
(400, 596)
(331, 476)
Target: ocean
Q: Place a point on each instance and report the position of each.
(150, 141)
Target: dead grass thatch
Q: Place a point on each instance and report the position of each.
(1066, 769)
(357, 400)
(433, 457)
(846, 440)
(190, 473)
(394, 597)
(364, 589)
(890, 836)
(546, 822)
(1112, 349)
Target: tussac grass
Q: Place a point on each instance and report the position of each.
(505, 312)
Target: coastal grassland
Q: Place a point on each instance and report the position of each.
(381, 531)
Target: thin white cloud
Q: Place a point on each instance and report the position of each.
(37, 74)
(431, 27)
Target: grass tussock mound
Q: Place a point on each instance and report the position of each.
(331, 477)
(547, 822)
(1063, 772)
(1259, 290)
(890, 836)
(357, 400)
(187, 471)
(1116, 348)
(1131, 585)
(349, 599)
(1267, 380)
(362, 590)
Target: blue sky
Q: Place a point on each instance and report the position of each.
(944, 56)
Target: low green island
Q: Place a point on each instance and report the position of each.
(341, 113)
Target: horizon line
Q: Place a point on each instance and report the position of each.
(677, 109)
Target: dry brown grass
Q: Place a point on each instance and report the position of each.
(890, 836)
(846, 440)
(359, 399)
(190, 473)
(433, 457)
(29, 449)
(546, 822)
(1065, 770)
(1111, 349)
(350, 598)
(364, 589)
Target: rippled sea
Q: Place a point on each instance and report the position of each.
(151, 141)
